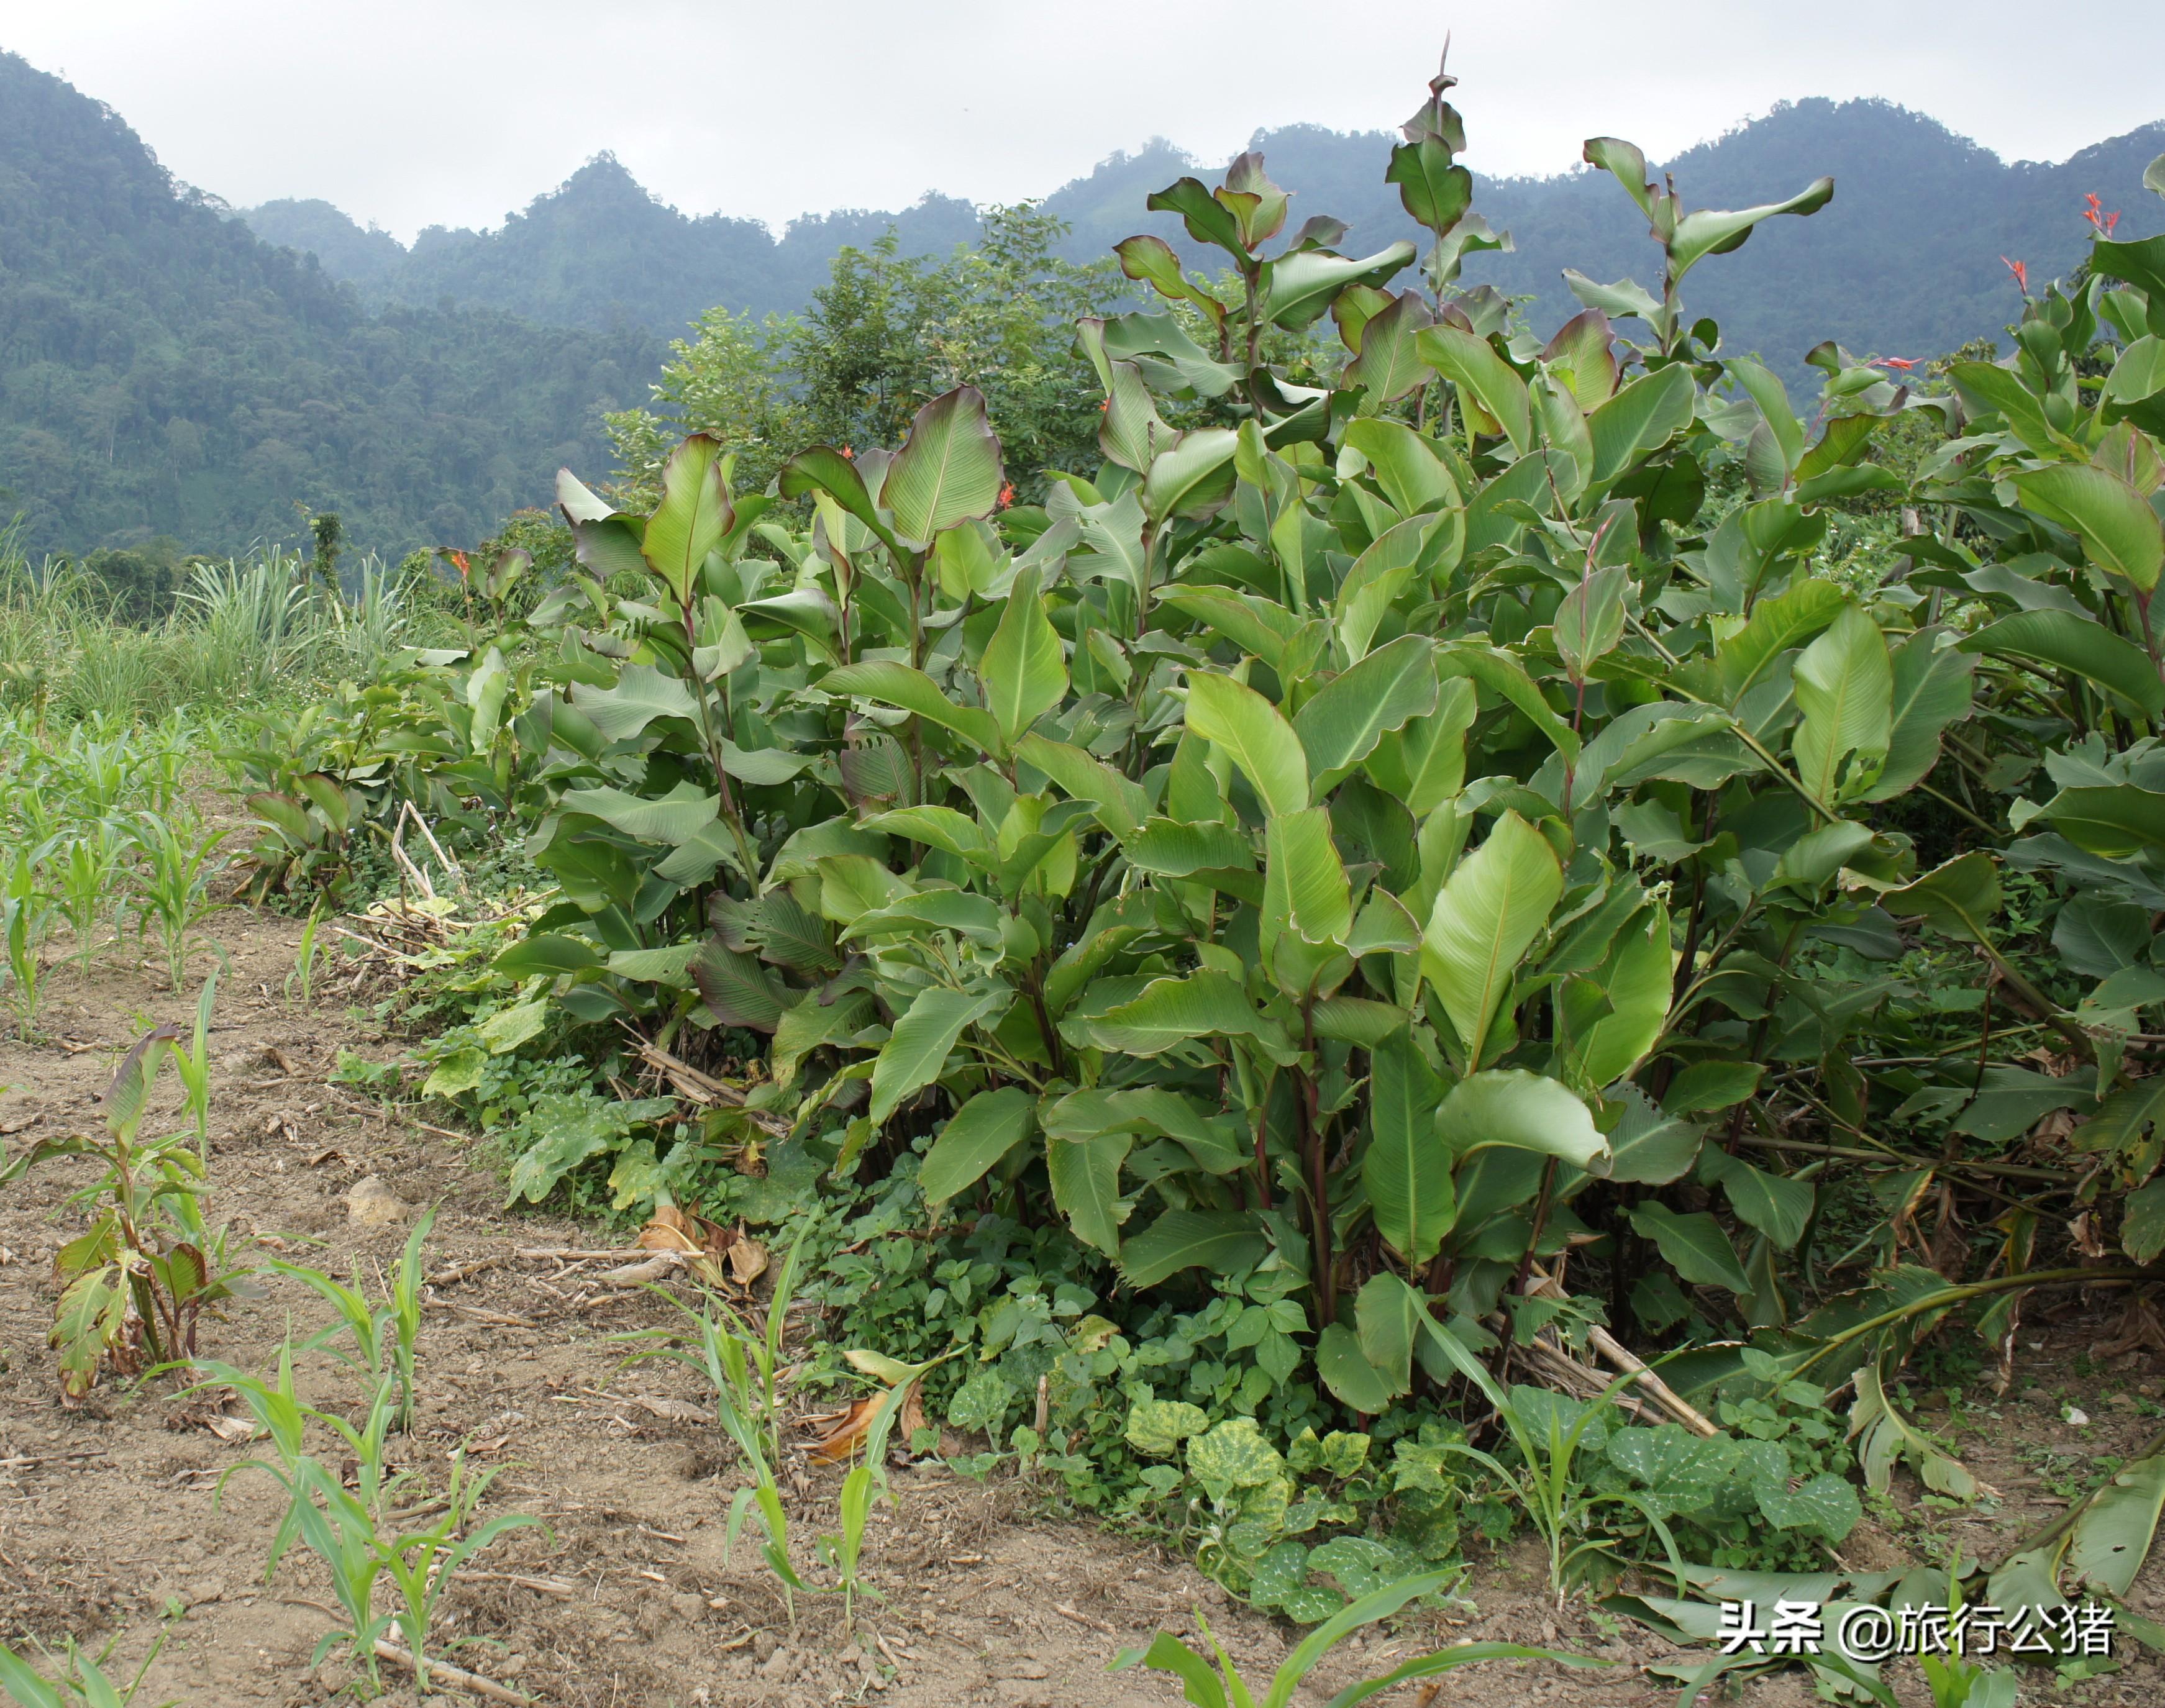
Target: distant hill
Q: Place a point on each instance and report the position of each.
(1905, 262)
(165, 372)
(599, 251)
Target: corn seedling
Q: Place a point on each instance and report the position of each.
(867, 1478)
(304, 962)
(134, 1287)
(176, 886)
(80, 1682)
(1212, 1680)
(25, 910)
(192, 1065)
(383, 1335)
(87, 873)
(350, 1521)
(743, 1365)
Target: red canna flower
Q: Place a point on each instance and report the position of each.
(2098, 218)
(850, 452)
(2021, 271)
(1105, 406)
(1007, 495)
(1900, 364)
(458, 563)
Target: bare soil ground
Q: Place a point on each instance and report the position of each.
(111, 1525)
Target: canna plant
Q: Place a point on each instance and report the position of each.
(135, 1285)
(1274, 843)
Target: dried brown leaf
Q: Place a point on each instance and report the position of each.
(844, 1431)
(747, 1260)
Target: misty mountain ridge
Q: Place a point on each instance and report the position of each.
(1906, 260)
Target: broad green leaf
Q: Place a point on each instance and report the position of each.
(1959, 898)
(1086, 1185)
(1825, 1503)
(1932, 689)
(1708, 231)
(1503, 672)
(1776, 625)
(959, 910)
(1772, 398)
(1633, 986)
(1122, 806)
(915, 1054)
(2066, 642)
(1845, 687)
(2140, 372)
(1156, 1427)
(1256, 736)
(1777, 1205)
(2112, 1539)
(1169, 1012)
(1389, 365)
(899, 685)
(1651, 1146)
(1470, 363)
(693, 516)
(1356, 1020)
(1692, 1245)
(736, 989)
(674, 819)
(1986, 388)
(936, 827)
(2119, 531)
(2142, 1222)
(641, 695)
(1176, 850)
(1378, 577)
(1511, 1107)
(2116, 820)
(1639, 420)
(1024, 671)
(508, 1028)
(551, 952)
(1151, 260)
(1885, 1436)
(1405, 464)
(763, 767)
(1435, 191)
(1304, 885)
(1407, 1172)
(823, 468)
(1342, 723)
(1486, 917)
(1302, 284)
(1627, 164)
(1193, 477)
(1223, 1241)
(1348, 1373)
(948, 470)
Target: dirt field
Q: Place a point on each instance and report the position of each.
(109, 1523)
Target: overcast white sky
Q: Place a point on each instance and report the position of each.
(413, 113)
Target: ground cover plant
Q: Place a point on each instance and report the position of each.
(1466, 930)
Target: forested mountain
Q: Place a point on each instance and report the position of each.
(1906, 261)
(165, 372)
(168, 370)
(599, 251)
